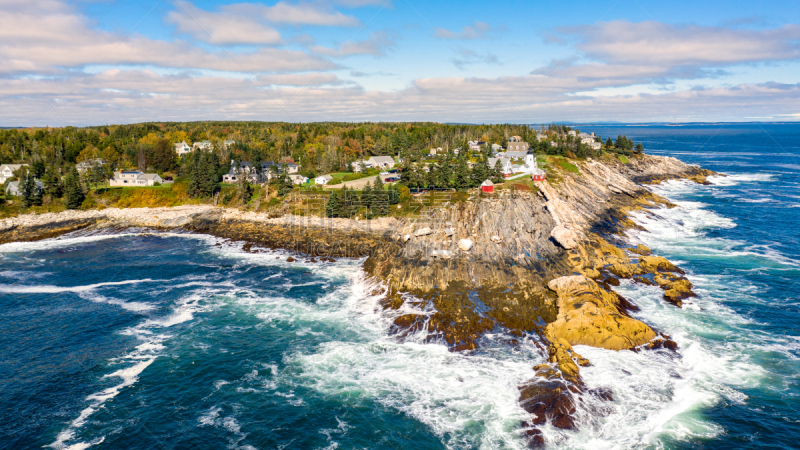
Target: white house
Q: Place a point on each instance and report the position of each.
(475, 146)
(322, 179)
(515, 154)
(541, 137)
(237, 171)
(571, 133)
(228, 143)
(436, 150)
(382, 162)
(202, 145)
(182, 148)
(528, 166)
(7, 171)
(497, 147)
(505, 165)
(292, 168)
(516, 143)
(134, 178)
(595, 145)
(298, 179)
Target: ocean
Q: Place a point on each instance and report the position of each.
(162, 340)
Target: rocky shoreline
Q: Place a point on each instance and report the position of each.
(540, 264)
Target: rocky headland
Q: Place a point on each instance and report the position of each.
(539, 264)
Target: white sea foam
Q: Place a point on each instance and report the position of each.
(133, 364)
(61, 242)
(46, 289)
(659, 394)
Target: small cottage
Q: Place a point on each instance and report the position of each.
(487, 186)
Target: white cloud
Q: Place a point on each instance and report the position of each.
(222, 27)
(477, 30)
(669, 46)
(376, 45)
(48, 36)
(307, 14)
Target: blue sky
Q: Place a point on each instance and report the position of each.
(89, 62)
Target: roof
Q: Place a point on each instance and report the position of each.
(13, 166)
(487, 183)
(325, 177)
(148, 176)
(516, 154)
(382, 159)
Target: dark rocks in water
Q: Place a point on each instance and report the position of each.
(218, 244)
(290, 259)
(534, 435)
(661, 342)
(602, 394)
(246, 247)
(549, 400)
(312, 260)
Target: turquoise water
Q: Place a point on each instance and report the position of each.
(142, 341)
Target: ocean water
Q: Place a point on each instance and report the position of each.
(152, 340)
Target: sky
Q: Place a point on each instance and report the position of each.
(97, 62)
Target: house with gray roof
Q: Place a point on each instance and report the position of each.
(7, 171)
(134, 178)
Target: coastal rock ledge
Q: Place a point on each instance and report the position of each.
(539, 264)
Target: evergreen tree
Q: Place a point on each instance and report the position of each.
(245, 188)
(194, 175)
(52, 183)
(462, 175)
(639, 148)
(332, 206)
(380, 203)
(393, 194)
(609, 143)
(73, 193)
(497, 172)
(29, 191)
(367, 200)
(479, 174)
(346, 204)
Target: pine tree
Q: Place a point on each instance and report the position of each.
(73, 193)
(27, 190)
(497, 172)
(479, 174)
(194, 175)
(52, 184)
(332, 206)
(461, 179)
(393, 194)
(367, 200)
(609, 143)
(380, 202)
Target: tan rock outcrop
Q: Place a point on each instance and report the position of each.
(589, 315)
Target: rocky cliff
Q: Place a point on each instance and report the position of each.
(536, 263)
(539, 264)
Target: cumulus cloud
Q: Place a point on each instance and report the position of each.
(45, 37)
(377, 44)
(222, 27)
(477, 30)
(306, 14)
